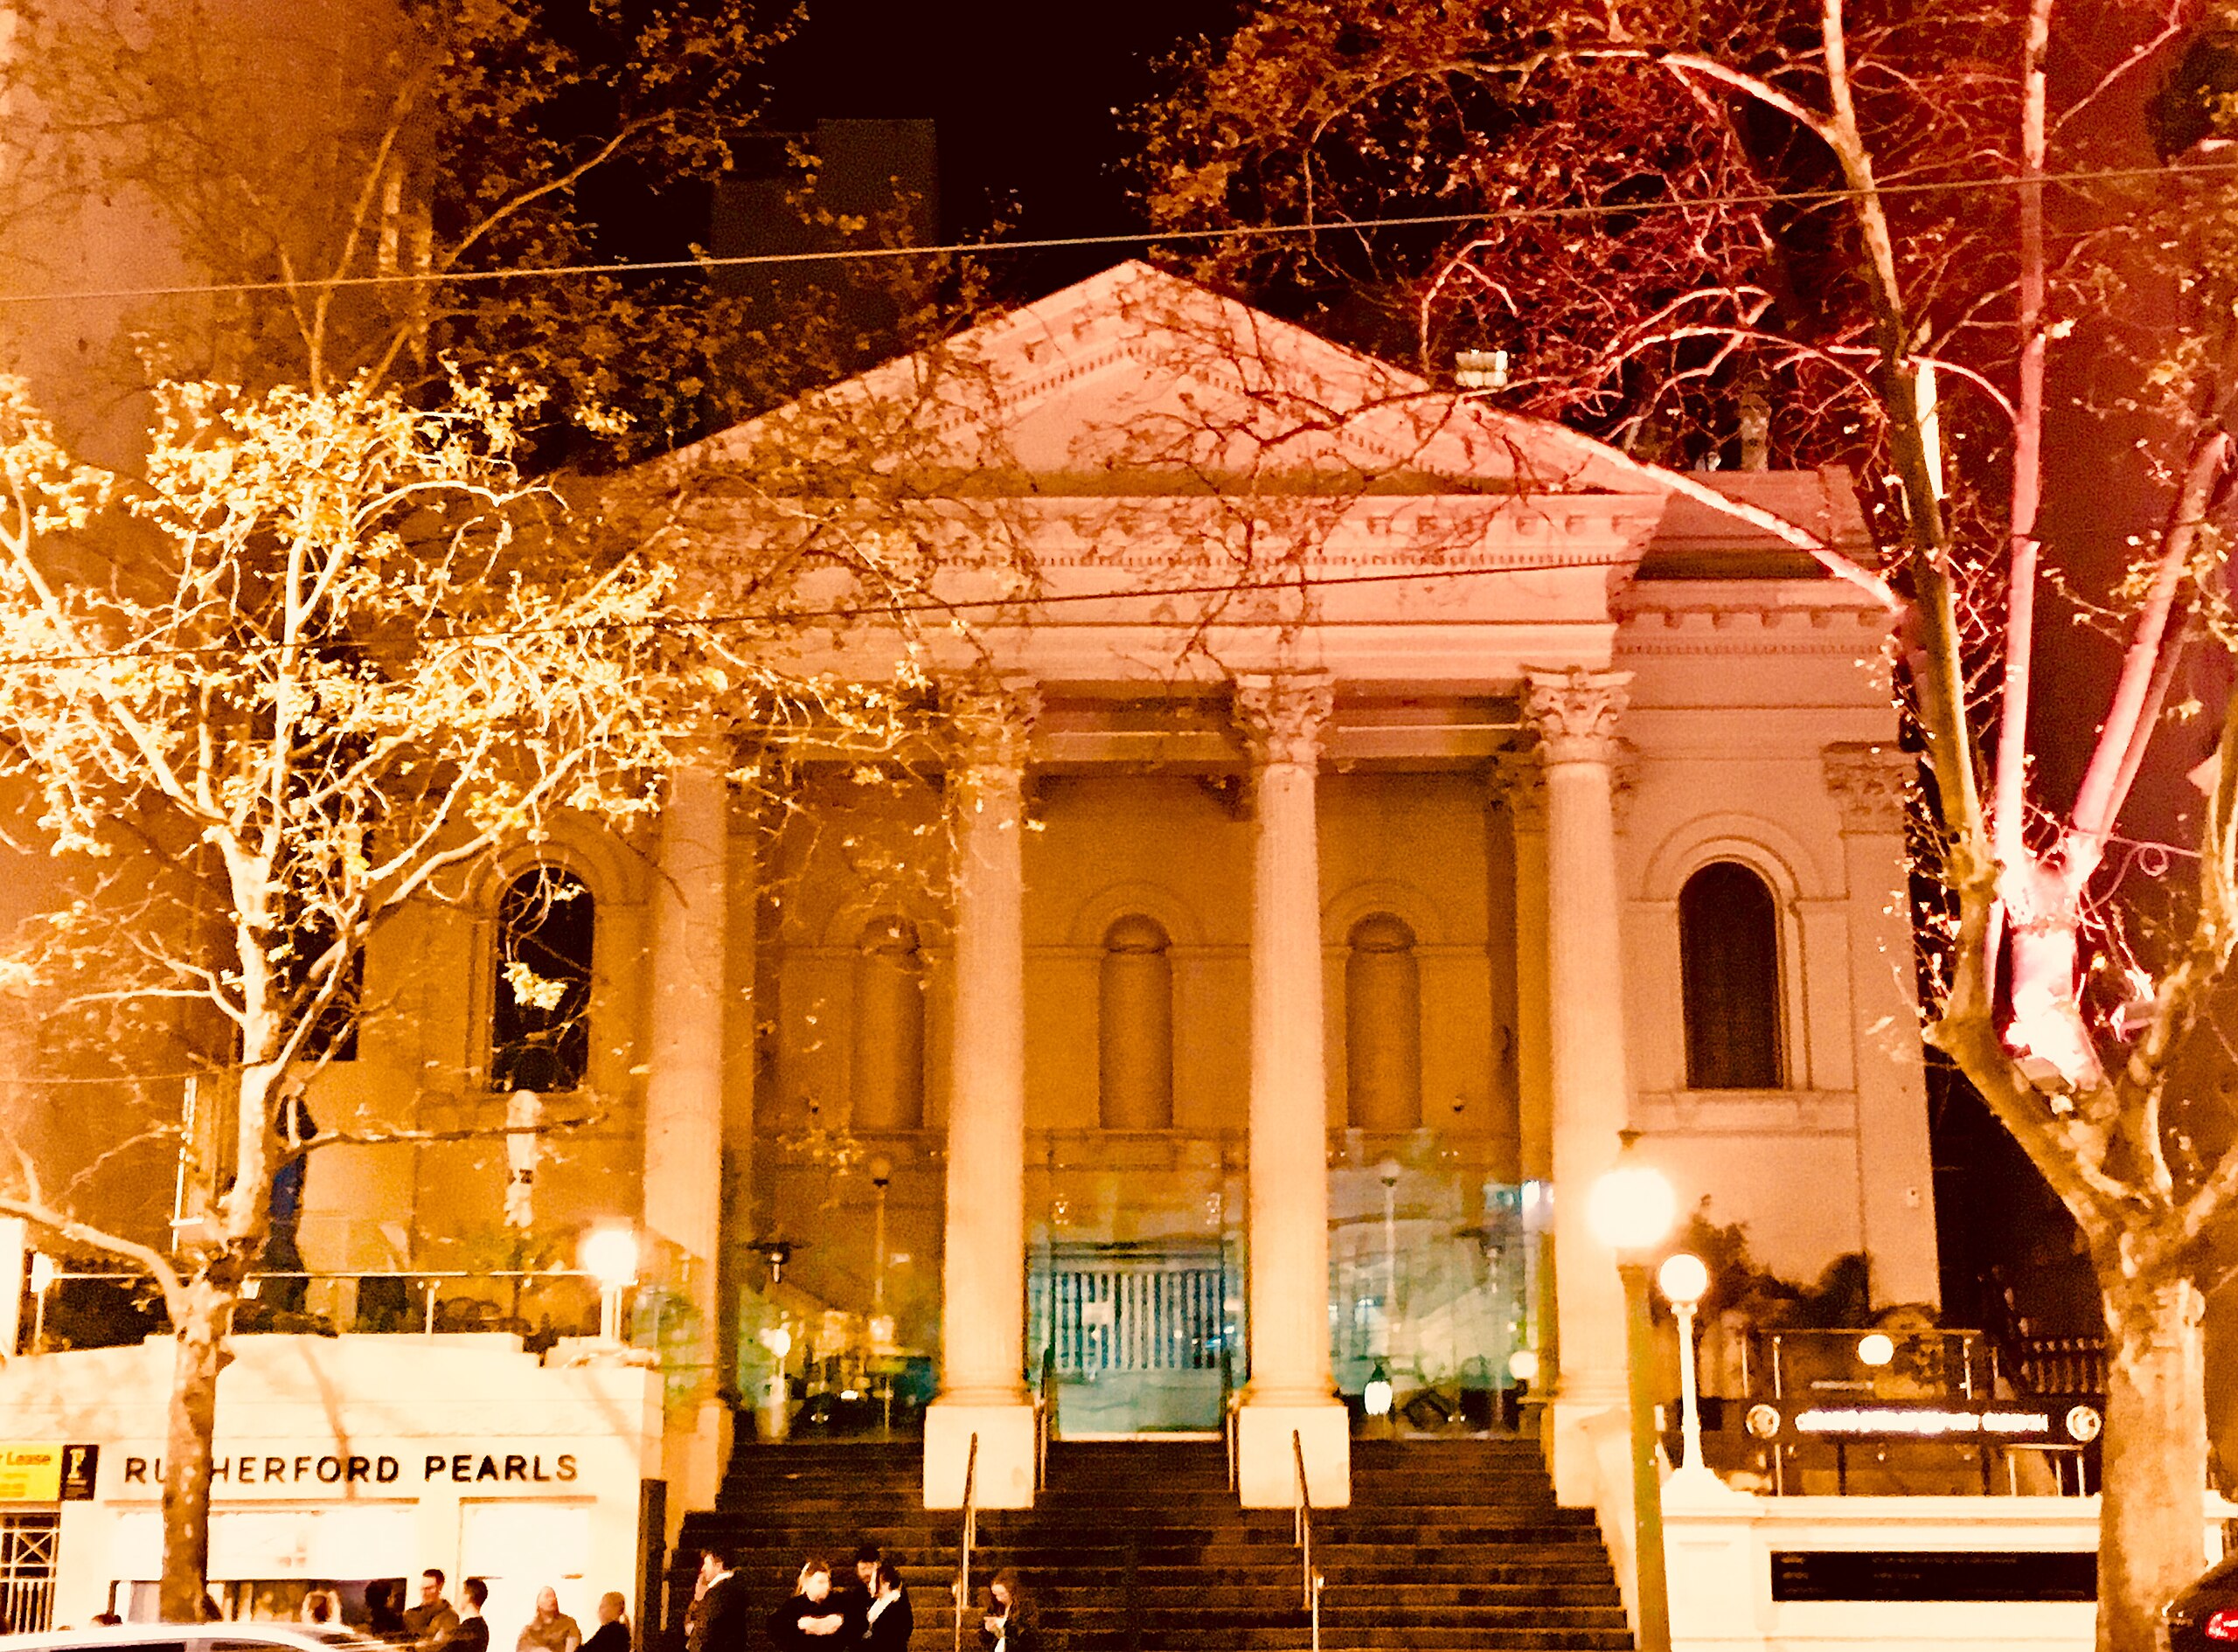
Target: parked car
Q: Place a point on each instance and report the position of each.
(195, 1637)
(2204, 1618)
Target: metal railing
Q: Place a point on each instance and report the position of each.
(342, 1300)
(1230, 1403)
(1045, 1418)
(970, 1536)
(1303, 1528)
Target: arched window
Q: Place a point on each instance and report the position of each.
(886, 1083)
(1135, 1026)
(539, 1015)
(1729, 969)
(1383, 1026)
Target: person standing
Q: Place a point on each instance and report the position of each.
(432, 1622)
(856, 1598)
(383, 1618)
(1008, 1626)
(812, 1620)
(613, 1632)
(887, 1621)
(473, 1632)
(719, 1620)
(294, 1127)
(551, 1629)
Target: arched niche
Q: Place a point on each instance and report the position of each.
(1729, 979)
(1135, 1025)
(1383, 1026)
(886, 1078)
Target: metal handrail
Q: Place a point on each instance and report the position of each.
(1303, 1528)
(970, 1535)
(1045, 1417)
(1232, 1431)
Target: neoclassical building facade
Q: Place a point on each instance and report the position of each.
(1365, 805)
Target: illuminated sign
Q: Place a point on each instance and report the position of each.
(1858, 1420)
(1898, 1420)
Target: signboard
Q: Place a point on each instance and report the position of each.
(81, 1464)
(1927, 1574)
(2037, 1423)
(488, 1465)
(30, 1471)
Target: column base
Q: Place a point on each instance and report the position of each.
(1266, 1466)
(1571, 1454)
(1003, 1476)
(694, 1450)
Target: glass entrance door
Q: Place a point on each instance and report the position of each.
(1135, 1298)
(1134, 1334)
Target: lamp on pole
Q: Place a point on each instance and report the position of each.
(609, 1255)
(1684, 1279)
(1630, 1209)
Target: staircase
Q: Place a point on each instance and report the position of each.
(1458, 1544)
(1139, 1546)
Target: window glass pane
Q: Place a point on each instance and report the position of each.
(539, 1021)
(1729, 948)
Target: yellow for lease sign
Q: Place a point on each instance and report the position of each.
(31, 1470)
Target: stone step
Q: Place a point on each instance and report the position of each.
(1140, 1547)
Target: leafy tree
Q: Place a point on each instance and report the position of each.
(1907, 238)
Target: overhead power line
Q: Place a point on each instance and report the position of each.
(1124, 238)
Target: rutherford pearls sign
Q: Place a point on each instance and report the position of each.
(397, 1471)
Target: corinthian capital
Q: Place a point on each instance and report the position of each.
(1575, 712)
(1869, 782)
(994, 722)
(1282, 716)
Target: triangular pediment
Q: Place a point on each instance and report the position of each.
(1137, 381)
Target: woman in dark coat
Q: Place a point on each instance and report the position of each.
(811, 1621)
(613, 1632)
(887, 1620)
(1008, 1626)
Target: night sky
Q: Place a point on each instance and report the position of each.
(1025, 97)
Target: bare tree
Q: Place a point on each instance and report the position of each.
(338, 652)
(1905, 238)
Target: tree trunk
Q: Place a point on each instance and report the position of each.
(2151, 1530)
(200, 1331)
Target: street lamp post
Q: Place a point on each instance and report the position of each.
(609, 1255)
(1684, 1279)
(1631, 1210)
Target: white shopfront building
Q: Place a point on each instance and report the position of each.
(343, 1461)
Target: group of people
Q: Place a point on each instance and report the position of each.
(870, 1613)
(431, 1624)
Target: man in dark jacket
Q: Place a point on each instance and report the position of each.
(473, 1632)
(719, 1619)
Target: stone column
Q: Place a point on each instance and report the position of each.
(1290, 1390)
(1519, 782)
(983, 1306)
(1575, 714)
(1868, 782)
(684, 1095)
